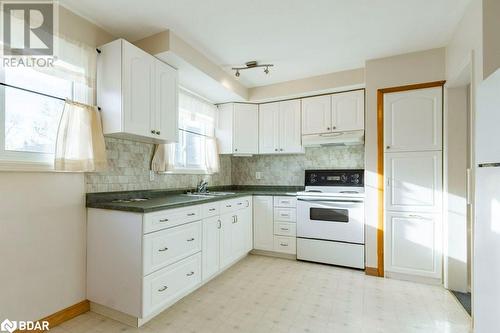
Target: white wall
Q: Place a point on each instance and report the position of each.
(42, 243)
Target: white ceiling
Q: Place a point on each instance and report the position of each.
(301, 37)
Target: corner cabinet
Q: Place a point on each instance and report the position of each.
(238, 128)
(279, 128)
(137, 94)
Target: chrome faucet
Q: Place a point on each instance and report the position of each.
(202, 187)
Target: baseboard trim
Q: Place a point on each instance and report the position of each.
(274, 254)
(372, 271)
(64, 315)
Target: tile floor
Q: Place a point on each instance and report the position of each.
(263, 294)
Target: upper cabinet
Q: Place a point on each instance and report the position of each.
(338, 112)
(413, 120)
(238, 128)
(279, 128)
(137, 93)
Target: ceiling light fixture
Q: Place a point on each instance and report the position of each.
(250, 65)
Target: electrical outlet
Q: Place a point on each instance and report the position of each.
(258, 175)
(151, 175)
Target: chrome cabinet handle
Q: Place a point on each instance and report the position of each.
(235, 149)
(285, 215)
(228, 206)
(164, 220)
(334, 127)
(191, 214)
(281, 149)
(328, 128)
(190, 240)
(388, 147)
(240, 203)
(189, 274)
(283, 244)
(275, 149)
(163, 288)
(163, 250)
(211, 209)
(219, 224)
(153, 132)
(235, 219)
(284, 229)
(158, 132)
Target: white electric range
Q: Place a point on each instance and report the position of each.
(331, 218)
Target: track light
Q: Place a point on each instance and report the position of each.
(250, 65)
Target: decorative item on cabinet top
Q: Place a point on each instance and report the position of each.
(137, 94)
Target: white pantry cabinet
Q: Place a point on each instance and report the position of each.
(338, 112)
(238, 128)
(280, 128)
(137, 94)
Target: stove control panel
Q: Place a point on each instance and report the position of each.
(350, 177)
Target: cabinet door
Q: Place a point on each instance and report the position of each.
(413, 120)
(211, 247)
(138, 91)
(263, 223)
(224, 128)
(240, 234)
(246, 129)
(316, 115)
(166, 116)
(413, 244)
(226, 239)
(290, 138)
(348, 111)
(414, 181)
(269, 115)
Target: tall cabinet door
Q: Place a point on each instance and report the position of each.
(211, 247)
(166, 116)
(138, 90)
(413, 120)
(414, 181)
(263, 223)
(226, 239)
(246, 129)
(413, 244)
(290, 137)
(348, 111)
(316, 115)
(269, 114)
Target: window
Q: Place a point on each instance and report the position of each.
(196, 133)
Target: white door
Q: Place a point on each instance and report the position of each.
(269, 114)
(413, 120)
(290, 137)
(413, 181)
(165, 122)
(348, 111)
(138, 91)
(224, 128)
(316, 115)
(226, 240)
(413, 244)
(211, 247)
(239, 241)
(263, 223)
(246, 129)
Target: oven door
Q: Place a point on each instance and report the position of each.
(320, 218)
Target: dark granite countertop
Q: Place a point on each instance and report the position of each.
(167, 199)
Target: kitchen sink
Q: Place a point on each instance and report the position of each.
(208, 194)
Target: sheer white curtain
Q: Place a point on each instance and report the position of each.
(163, 158)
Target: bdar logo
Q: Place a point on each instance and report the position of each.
(8, 326)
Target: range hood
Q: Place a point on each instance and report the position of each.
(347, 138)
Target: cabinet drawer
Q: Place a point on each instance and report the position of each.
(233, 205)
(210, 209)
(170, 218)
(285, 202)
(285, 214)
(285, 229)
(169, 284)
(285, 244)
(165, 247)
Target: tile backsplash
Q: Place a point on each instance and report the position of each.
(289, 169)
(129, 163)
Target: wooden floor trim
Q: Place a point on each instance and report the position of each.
(372, 271)
(64, 315)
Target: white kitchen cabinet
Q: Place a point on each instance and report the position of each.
(137, 94)
(238, 128)
(413, 120)
(414, 181)
(316, 115)
(279, 128)
(348, 111)
(413, 244)
(211, 247)
(263, 223)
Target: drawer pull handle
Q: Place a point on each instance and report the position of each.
(163, 250)
(190, 274)
(190, 239)
(191, 214)
(211, 210)
(285, 215)
(285, 202)
(283, 244)
(240, 203)
(228, 206)
(416, 216)
(164, 220)
(284, 229)
(219, 224)
(163, 289)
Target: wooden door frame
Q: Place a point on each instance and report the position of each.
(380, 161)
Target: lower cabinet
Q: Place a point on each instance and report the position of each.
(211, 247)
(263, 223)
(413, 244)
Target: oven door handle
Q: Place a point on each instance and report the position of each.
(330, 201)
